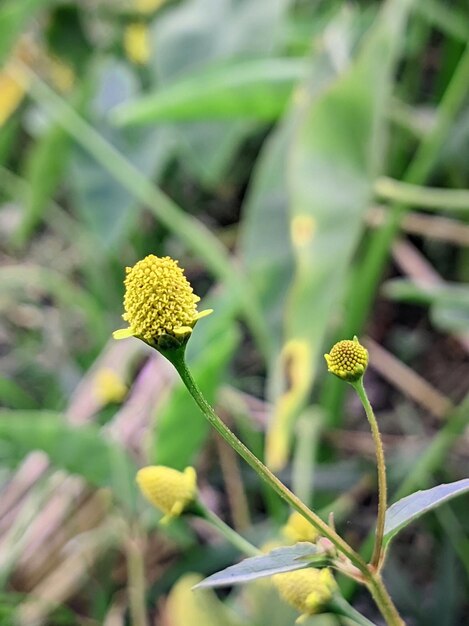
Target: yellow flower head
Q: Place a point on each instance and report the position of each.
(348, 360)
(109, 386)
(307, 590)
(298, 528)
(168, 489)
(158, 302)
(136, 43)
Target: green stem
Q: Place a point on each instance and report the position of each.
(177, 358)
(382, 484)
(340, 606)
(426, 197)
(230, 535)
(136, 581)
(383, 601)
(370, 576)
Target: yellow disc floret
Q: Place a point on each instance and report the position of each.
(158, 301)
(298, 528)
(168, 489)
(348, 360)
(307, 590)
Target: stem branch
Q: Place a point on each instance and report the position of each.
(177, 358)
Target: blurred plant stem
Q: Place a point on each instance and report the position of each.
(369, 576)
(368, 274)
(381, 465)
(136, 578)
(425, 197)
(192, 232)
(226, 531)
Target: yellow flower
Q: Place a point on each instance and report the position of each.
(158, 302)
(307, 590)
(298, 528)
(348, 360)
(109, 386)
(168, 489)
(11, 95)
(136, 43)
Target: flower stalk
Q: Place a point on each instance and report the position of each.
(236, 540)
(376, 559)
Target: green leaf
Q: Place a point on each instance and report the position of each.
(257, 89)
(44, 169)
(285, 559)
(13, 17)
(337, 151)
(78, 450)
(209, 350)
(410, 508)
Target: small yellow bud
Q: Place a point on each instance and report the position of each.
(348, 360)
(137, 43)
(11, 95)
(159, 302)
(168, 489)
(109, 386)
(298, 529)
(307, 590)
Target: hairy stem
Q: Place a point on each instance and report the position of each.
(177, 358)
(381, 464)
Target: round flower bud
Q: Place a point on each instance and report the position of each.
(158, 302)
(307, 590)
(348, 360)
(298, 529)
(167, 489)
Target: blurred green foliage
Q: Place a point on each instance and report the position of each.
(252, 141)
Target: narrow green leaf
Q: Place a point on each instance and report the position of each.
(44, 168)
(83, 451)
(285, 559)
(13, 17)
(338, 149)
(257, 89)
(410, 508)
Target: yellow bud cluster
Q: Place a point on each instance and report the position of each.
(307, 590)
(298, 528)
(167, 489)
(348, 360)
(158, 301)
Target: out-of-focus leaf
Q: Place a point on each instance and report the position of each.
(45, 165)
(196, 34)
(337, 152)
(285, 559)
(405, 290)
(184, 607)
(451, 318)
(82, 451)
(108, 209)
(449, 303)
(209, 351)
(13, 17)
(410, 508)
(12, 396)
(71, 296)
(254, 89)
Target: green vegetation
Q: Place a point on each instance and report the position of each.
(306, 163)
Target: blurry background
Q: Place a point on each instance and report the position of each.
(307, 163)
